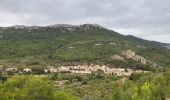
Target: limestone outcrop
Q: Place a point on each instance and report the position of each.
(129, 54)
(117, 57)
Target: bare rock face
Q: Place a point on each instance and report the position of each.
(129, 54)
(62, 25)
(72, 27)
(132, 55)
(141, 59)
(117, 57)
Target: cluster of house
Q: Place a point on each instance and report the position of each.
(111, 43)
(15, 70)
(81, 69)
(85, 69)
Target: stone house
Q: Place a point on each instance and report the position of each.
(27, 70)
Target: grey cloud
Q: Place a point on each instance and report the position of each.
(134, 17)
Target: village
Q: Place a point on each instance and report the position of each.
(78, 69)
(84, 69)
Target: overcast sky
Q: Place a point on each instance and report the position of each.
(148, 19)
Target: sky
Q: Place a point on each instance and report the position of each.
(148, 19)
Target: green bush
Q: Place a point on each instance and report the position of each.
(31, 88)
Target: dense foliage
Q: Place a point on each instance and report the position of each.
(96, 86)
(31, 88)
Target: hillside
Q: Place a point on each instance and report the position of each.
(63, 44)
(80, 62)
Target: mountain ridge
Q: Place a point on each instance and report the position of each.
(147, 41)
(72, 27)
(71, 44)
(53, 26)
